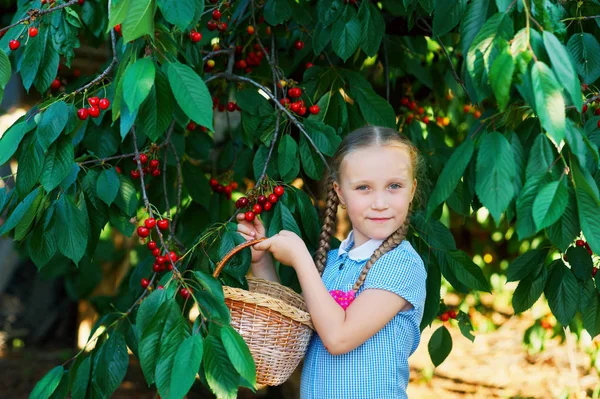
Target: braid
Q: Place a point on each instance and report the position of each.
(328, 226)
(390, 243)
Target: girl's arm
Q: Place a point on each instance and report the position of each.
(265, 269)
(340, 330)
(262, 262)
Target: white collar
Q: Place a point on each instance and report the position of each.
(360, 253)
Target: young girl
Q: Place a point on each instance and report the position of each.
(368, 304)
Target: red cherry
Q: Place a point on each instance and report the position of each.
(135, 174)
(302, 110)
(160, 287)
(243, 202)
(195, 37)
(273, 198)
(80, 2)
(118, 169)
(222, 26)
(154, 164)
(151, 245)
(82, 113)
(150, 223)
(278, 191)
(421, 111)
(597, 111)
(268, 206)
(185, 293)
(295, 92)
(161, 260)
(55, 85)
(94, 101)
(594, 271)
(250, 30)
(156, 268)
(248, 70)
(445, 316)
(145, 282)
(212, 25)
(580, 243)
(426, 120)
(33, 31)
(299, 44)
(94, 111)
(261, 199)
(404, 101)
(234, 185)
(13, 44)
(243, 64)
(156, 252)
(584, 109)
(231, 106)
(118, 29)
(143, 231)
(163, 224)
(295, 107)
(249, 216)
(173, 256)
(412, 105)
(257, 209)
(213, 182)
(314, 109)
(191, 126)
(228, 190)
(104, 103)
(219, 188)
(143, 158)
(309, 65)
(452, 314)
(216, 14)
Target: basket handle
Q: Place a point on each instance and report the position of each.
(234, 251)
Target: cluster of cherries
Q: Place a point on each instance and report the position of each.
(596, 112)
(216, 23)
(253, 58)
(150, 169)
(15, 44)
(191, 126)
(96, 104)
(298, 106)
(263, 203)
(449, 314)
(414, 111)
(230, 106)
(221, 189)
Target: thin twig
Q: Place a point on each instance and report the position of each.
(36, 13)
(589, 100)
(231, 76)
(214, 53)
(273, 141)
(102, 160)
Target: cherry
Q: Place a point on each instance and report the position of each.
(233, 185)
(33, 31)
(93, 101)
(426, 120)
(150, 223)
(445, 316)
(94, 111)
(191, 126)
(213, 182)
(185, 293)
(173, 256)
(77, 73)
(118, 29)
(295, 107)
(195, 37)
(477, 114)
(594, 271)
(243, 202)
(278, 191)
(257, 209)
(82, 113)
(412, 105)
(216, 14)
(285, 101)
(249, 216)
(155, 172)
(156, 252)
(598, 123)
(151, 244)
(584, 109)
(466, 108)
(404, 101)
(314, 109)
(219, 188)
(212, 25)
(239, 49)
(163, 224)
(580, 243)
(261, 199)
(210, 63)
(156, 268)
(135, 174)
(55, 85)
(104, 103)
(143, 231)
(231, 106)
(143, 158)
(14, 44)
(250, 29)
(267, 30)
(145, 283)
(228, 190)
(597, 111)
(302, 110)
(452, 314)
(154, 164)
(118, 169)
(421, 111)
(160, 287)
(80, 2)
(295, 92)
(161, 260)
(299, 44)
(248, 70)
(268, 206)
(309, 65)
(273, 198)
(222, 26)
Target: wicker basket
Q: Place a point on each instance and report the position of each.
(272, 319)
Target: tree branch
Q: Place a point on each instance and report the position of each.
(589, 100)
(273, 141)
(36, 13)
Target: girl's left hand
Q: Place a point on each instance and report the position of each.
(286, 247)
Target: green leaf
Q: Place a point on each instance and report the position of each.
(137, 82)
(585, 50)
(321, 38)
(252, 102)
(118, 12)
(447, 15)
(562, 292)
(467, 271)
(495, 173)
(346, 34)
(58, 163)
(112, 365)
(549, 102)
(308, 216)
(324, 136)
(277, 11)
(288, 160)
(591, 316)
(107, 185)
(440, 345)
(284, 218)
(73, 240)
(529, 290)
(563, 67)
(472, 23)
(220, 373)
(22, 228)
(210, 284)
(147, 116)
(451, 175)
(191, 94)
(375, 109)
(126, 198)
(541, 157)
(32, 57)
(239, 354)
(527, 264)
(82, 379)
(149, 308)
(139, 19)
(329, 11)
(373, 27)
(501, 77)
(185, 366)
(20, 211)
(47, 385)
(588, 205)
(550, 203)
(5, 70)
(175, 333)
(149, 346)
(179, 13)
(10, 140)
(42, 246)
(48, 64)
(52, 123)
(563, 232)
(525, 224)
(581, 262)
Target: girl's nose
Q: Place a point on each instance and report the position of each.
(379, 202)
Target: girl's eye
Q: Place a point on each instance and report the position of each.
(395, 186)
(361, 188)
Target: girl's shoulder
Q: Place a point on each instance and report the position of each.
(403, 255)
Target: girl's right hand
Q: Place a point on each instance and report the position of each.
(251, 231)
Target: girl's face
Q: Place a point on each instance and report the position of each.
(377, 186)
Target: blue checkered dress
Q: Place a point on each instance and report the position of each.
(377, 369)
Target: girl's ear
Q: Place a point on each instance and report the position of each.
(414, 189)
(338, 191)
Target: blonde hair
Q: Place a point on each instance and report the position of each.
(361, 138)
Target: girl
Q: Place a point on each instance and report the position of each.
(368, 304)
